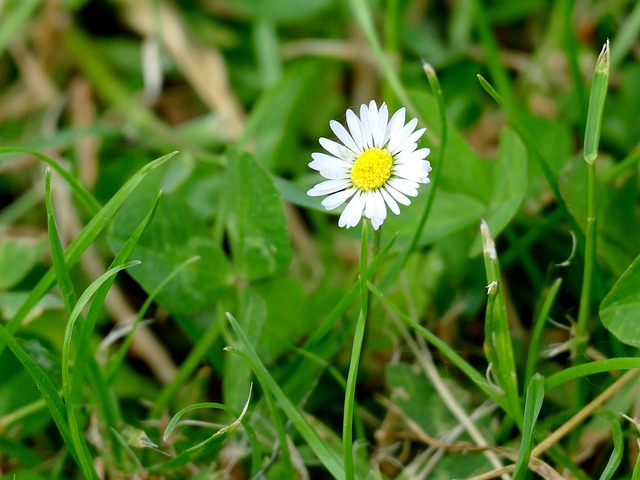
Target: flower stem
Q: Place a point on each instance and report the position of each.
(349, 399)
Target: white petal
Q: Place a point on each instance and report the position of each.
(399, 197)
(365, 119)
(344, 136)
(410, 141)
(321, 159)
(381, 208)
(355, 127)
(394, 127)
(412, 171)
(370, 207)
(336, 199)
(404, 186)
(379, 126)
(330, 186)
(419, 154)
(352, 212)
(398, 139)
(393, 206)
(337, 150)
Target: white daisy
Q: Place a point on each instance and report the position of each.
(377, 165)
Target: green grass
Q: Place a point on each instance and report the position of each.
(196, 314)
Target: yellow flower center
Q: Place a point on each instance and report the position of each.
(371, 169)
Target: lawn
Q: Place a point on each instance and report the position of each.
(314, 239)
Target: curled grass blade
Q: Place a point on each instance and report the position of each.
(327, 457)
(82, 242)
(591, 368)
(532, 406)
(67, 386)
(88, 200)
(192, 453)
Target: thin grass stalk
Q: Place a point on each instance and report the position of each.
(436, 89)
(358, 339)
(492, 52)
(362, 15)
(571, 49)
(536, 335)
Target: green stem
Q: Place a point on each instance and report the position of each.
(349, 399)
(589, 256)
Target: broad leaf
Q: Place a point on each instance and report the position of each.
(255, 219)
(620, 309)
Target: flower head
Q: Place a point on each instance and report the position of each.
(378, 164)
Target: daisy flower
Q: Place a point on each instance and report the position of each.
(377, 165)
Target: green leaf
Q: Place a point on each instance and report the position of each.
(620, 309)
(175, 235)
(255, 220)
(17, 257)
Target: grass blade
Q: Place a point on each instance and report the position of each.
(67, 386)
(536, 335)
(532, 406)
(618, 447)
